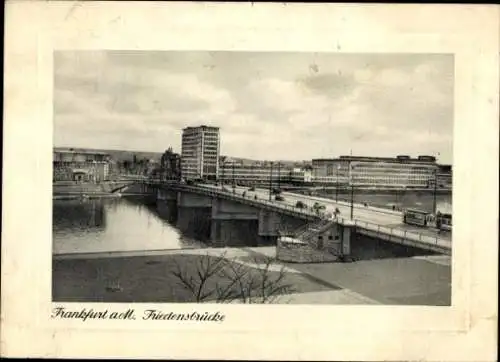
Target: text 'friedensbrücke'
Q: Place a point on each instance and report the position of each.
(130, 314)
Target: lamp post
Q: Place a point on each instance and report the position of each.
(279, 175)
(222, 178)
(352, 190)
(234, 185)
(222, 164)
(337, 185)
(434, 203)
(270, 181)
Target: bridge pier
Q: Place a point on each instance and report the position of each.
(162, 194)
(271, 223)
(348, 229)
(233, 232)
(233, 224)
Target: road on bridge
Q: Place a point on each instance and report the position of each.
(368, 214)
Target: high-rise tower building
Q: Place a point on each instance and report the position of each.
(200, 153)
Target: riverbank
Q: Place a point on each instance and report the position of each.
(69, 190)
(79, 196)
(381, 191)
(148, 278)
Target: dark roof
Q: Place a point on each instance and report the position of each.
(76, 150)
(202, 126)
(421, 159)
(418, 211)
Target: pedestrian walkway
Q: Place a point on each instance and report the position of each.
(436, 259)
(230, 252)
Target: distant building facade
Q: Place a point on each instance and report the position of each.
(170, 165)
(79, 165)
(200, 153)
(397, 172)
(444, 176)
(251, 173)
(301, 176)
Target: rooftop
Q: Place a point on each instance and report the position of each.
(201, 127)
(76, 150)
(399, 158)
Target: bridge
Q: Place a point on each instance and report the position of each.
(374, 222)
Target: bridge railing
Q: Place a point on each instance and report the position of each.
(248, 199)
(251, 200)
(404, 234)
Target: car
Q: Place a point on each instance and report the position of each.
(300, 205)
(251, 189)
(318, 206)
(279, 198)
(276, 191)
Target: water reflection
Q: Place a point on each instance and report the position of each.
(77, 214)
(103, 225)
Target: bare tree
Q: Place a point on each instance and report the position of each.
(224, 280)
(206, 267)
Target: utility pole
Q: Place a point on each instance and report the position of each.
(434, 204)
(279, 175)
(337, 185)
(271, 182)
(234, 185)
(352, 190)
(223, 168)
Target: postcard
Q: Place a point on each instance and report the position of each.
(250, 181)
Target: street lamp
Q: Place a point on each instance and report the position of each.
(352, 190)
(279, 175)
(234, 185)
(222, 162)
(434, 204)
(270, 181)
(337, 185)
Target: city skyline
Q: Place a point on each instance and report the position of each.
(299, 105)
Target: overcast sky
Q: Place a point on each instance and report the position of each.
(268, 105)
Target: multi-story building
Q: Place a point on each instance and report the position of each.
(301, 176)
(200, 153)
(252, 173)
(80, 165)
(444, 177)
(398, 172)
(170, 167)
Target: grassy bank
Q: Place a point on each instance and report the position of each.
(147, 279)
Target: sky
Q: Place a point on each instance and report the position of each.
(268, 105)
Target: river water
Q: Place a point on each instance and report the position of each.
(103, 225)
(133, 224)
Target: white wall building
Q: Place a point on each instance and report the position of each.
(200, 153)
(252, 173)
(401, 171)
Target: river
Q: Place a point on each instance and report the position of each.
(133, 224)
(103, 225)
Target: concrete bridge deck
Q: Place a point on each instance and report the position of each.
(380, 223)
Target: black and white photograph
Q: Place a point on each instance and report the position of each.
(252, 177)
(250, 181)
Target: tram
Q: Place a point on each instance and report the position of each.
(443, 222)
(416, 217)
(427, 219)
